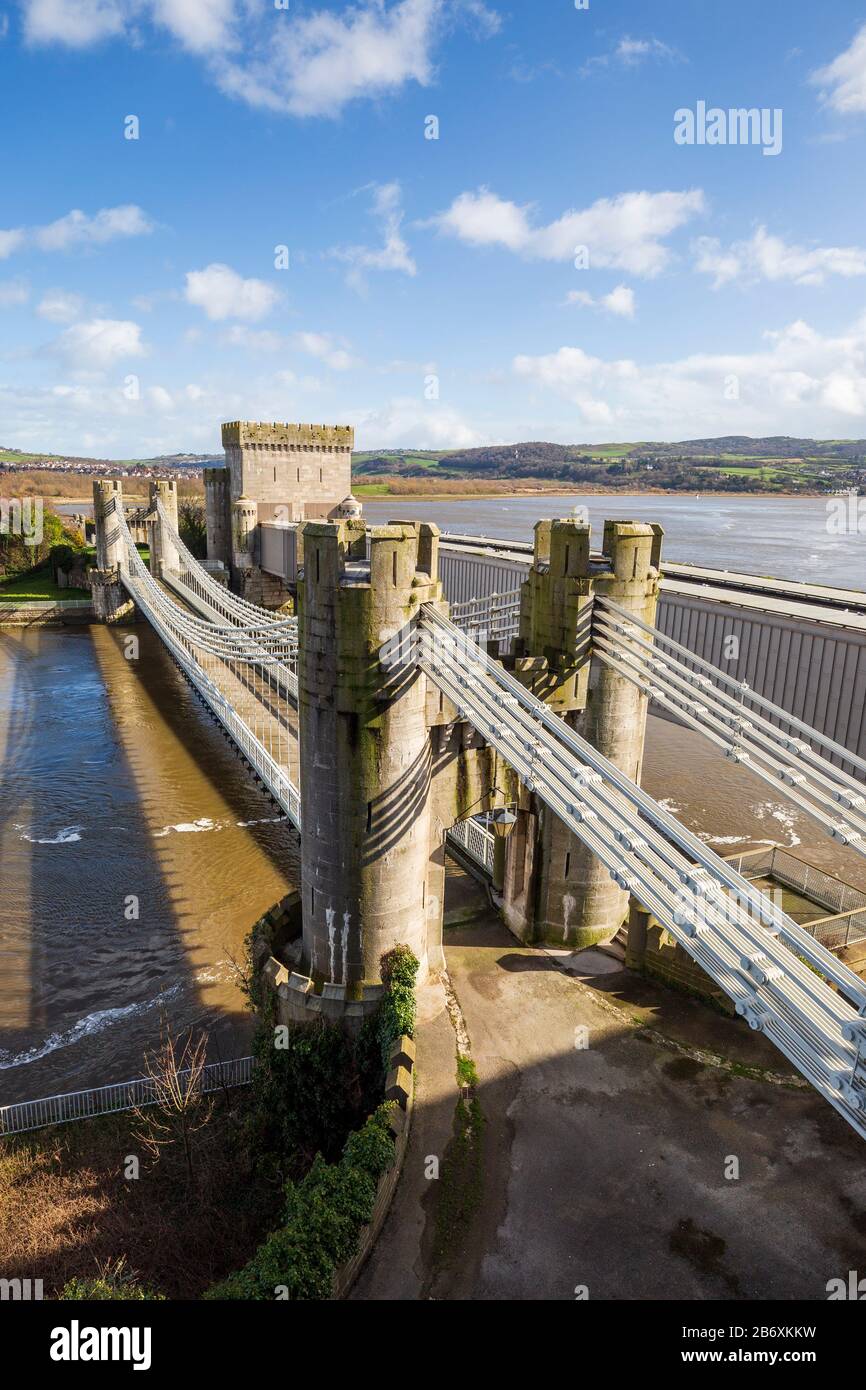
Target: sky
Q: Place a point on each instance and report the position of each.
(446, 222)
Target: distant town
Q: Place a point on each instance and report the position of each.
(733, 463)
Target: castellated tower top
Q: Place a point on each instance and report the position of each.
(251, 434)
(292, 472)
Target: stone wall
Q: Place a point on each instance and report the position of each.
(399, 1088)
(37, 613)
(305, 469)
(267, 590)
(218, 515)
(652, 951)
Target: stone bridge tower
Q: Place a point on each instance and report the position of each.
(386, 767)
(555, 889)
(273, 473)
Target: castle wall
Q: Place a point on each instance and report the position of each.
(293, 472)
(217, 513)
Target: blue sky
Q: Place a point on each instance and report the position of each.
(432, 296)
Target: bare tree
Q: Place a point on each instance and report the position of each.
(179, 1109)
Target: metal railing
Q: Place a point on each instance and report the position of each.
(119, 1095)
(847, 924)
(476, 840)
(495, 618)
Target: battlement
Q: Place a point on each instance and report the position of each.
(252, 434)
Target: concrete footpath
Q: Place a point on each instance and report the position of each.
(610, 1166)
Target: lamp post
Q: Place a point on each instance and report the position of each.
(503, 822)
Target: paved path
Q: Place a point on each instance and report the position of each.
(605, 1167)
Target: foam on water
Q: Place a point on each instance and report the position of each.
(67, 836)
(85, 1027)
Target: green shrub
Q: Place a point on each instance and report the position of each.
(115, 1281)
(325, 1214)
(396, 1014)
(307, 1093)
(305, 1096)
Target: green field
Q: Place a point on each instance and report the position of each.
(37, 586)
(610, 451)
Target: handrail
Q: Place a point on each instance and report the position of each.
(116, 1096)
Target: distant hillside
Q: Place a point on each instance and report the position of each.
(732, 463)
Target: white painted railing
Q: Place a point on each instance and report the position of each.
(476, 840)
(495, 618)
(120, 1095)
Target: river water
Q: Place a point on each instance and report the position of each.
(115, 786)
(782, 537)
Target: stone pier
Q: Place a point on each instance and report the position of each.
(111, 603)
(163, 553)
(554, 889)
(386, 766)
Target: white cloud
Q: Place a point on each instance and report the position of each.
(308, 64)
(625, 232)
(634, 51)
(13, 292)
(10, 241)
(620, 301)
(406, 422)
(800, 380)
(316, 64)
(844, 80)
(78, 229)
(631, 53)
(93, 416)
(203, 26)
(486, 21)
(60, 306)
(223, 294)
(322, 346)
(159, 398)
(75, 23)
(253, 339)
(394, 253)
(98, 343)
(766, 257)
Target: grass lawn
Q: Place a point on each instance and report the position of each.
(37, 585)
